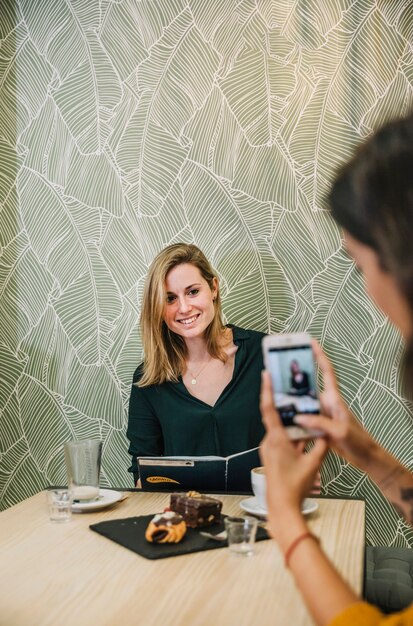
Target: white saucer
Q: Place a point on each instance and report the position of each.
(250, 505)
(106, 498)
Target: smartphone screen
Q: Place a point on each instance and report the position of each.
(294, 381)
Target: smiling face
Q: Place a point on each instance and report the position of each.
(189, 307)
(381, 285)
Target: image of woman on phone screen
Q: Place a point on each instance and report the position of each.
(372, 200)
(299, 381)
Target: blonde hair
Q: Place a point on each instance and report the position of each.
(165, 352)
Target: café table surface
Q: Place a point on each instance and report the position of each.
(65, 574)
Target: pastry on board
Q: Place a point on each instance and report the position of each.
(167, 527)
(196, 509)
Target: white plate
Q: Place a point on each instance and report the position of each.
(106, 498)
(250, 505)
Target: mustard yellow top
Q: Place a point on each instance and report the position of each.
(363, 614)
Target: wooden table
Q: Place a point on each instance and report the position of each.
(65, 574)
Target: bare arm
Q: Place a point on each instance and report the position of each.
(289, 476)
(313, 572)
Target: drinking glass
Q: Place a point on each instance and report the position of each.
(241, 533)
(83, 459)
(60, 504)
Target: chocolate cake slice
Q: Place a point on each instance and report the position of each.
(196, 509)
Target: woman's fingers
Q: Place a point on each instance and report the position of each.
(312, 461)
(319, 422)
(318, 452)
(299, 445)
(316, 486)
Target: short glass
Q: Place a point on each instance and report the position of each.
(241, 532)
(60, 505)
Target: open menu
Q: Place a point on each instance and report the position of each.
(200, 473)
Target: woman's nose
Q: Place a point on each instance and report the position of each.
(184, 305)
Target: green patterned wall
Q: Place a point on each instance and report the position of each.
(128, 125)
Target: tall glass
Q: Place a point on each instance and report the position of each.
(83, 459)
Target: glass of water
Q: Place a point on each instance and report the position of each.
(241, 533)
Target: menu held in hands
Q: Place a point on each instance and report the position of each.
(202, 473)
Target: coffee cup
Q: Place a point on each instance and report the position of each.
(259, 486)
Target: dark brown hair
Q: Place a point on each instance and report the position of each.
(372, 198)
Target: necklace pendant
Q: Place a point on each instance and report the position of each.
(193, 381)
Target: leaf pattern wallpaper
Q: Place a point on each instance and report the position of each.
(127, 125)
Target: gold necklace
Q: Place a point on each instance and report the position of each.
(194, 377)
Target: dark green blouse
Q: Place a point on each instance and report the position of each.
(167, 420)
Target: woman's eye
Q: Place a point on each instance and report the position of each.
(193, 292)
(170, 299)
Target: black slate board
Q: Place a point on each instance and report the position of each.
(130, 533)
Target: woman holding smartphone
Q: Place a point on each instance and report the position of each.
(372, 200)
(197, 390)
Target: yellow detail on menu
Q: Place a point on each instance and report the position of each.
(161, 479)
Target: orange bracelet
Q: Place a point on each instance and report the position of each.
(295, 543)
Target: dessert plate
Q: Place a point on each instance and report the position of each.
(106, 498)
(250, 505)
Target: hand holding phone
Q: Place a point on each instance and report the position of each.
(290, 361)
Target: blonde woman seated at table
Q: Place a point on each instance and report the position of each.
(372, 199)
(197, 390)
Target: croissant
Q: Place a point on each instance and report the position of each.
(166, 527)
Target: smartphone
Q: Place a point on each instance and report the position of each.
(290, 361)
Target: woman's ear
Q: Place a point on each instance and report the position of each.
(214, 289)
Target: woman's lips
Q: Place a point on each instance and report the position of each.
(188, 320)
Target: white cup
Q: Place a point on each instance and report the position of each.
(259, 486)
